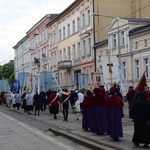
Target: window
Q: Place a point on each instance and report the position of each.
(145, 42)
(88, 18)
(84, 47)
(89, 45)
(83, 20)
(64, 35)
(78, 24)
(136, 45)
(65, 57)
(73, 26)
(61, 79)
(68, 29)
(55, 58)
(146, 66)
(114, 41)
(74, 51)
(69, 54)
(65, 79)
(54, 38)
(124, 69)
(137, 69)
(60, 34)
(122, 38)
(60, 55)
(78, 50)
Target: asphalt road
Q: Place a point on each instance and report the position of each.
(42, 138)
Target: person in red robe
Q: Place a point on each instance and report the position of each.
(98, 116)
(86, 111)
(53, 102)
(114, 109)
(130, 97)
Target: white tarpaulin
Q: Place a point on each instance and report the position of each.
(110, 69)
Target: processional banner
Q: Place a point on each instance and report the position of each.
(83, 80)
(4, 86)
(46, 80)
(110, 69)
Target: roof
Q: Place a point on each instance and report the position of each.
(140, 29)
(145, 20)
(101, 43)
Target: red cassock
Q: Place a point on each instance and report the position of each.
(130, 95)
(98, 114)
(114, 109)
(55, 102)
(86, 112)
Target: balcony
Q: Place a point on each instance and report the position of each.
(76, 61)
(36, 61)
(65, 64)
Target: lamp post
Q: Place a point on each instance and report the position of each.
(118, 33)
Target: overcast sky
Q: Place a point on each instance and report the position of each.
(18, 16)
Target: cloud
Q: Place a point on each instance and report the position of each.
(18, 16)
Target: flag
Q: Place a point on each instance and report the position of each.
(15, 85)
(142, 83)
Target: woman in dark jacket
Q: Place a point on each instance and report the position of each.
(141, 111)
(37, 103)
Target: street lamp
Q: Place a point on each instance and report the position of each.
(102, 15)
(118, 33)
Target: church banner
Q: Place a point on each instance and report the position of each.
(21, 78)
(46, 80)
(30, 81)
(83, 80)
(15, 85)
(110, 69)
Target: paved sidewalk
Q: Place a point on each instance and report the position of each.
(73, 130)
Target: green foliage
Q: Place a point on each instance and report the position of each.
(7, 71)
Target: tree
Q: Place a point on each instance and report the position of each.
(7, 71)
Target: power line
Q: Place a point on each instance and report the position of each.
(6, 59)
(12, 30)
(125, 17)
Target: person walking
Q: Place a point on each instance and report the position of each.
(100, 121)
(18, 100)
(29, 102)
(130, 96)
(86, 111)
(141, 111)
(77, 107)
(8, 97)
(73, 97)
(114, 109)
(53, 102)
(37, 103)
(64, 104)
(43, 96)
(24, 101)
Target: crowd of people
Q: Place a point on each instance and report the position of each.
(101, 110)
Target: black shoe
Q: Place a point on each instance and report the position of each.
(137, 144)
(116, 139)
(34, 114)
(38, 114)
(64, 120)
(145, 146)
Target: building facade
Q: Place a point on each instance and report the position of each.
(72, 42)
